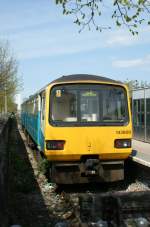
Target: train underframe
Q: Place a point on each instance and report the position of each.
(86, 171)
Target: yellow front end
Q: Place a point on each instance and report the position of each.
(81, 141)
(90, 151)
(86, 140)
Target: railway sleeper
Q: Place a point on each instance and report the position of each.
(89, 170)
(128, 209)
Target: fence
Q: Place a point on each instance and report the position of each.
(141, 114)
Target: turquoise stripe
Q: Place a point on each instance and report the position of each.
(32, 124)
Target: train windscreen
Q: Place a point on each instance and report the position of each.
(84, 104)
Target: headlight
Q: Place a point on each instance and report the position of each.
(122, 143)
(55, 144)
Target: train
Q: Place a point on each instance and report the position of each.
(82, 125)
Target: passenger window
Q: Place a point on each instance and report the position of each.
(89, 106)
(113, 105)
(64, 106)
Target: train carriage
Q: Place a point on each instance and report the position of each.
(82, 125)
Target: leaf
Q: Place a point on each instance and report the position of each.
(115, 2)
(127, 18)
(126, 2)
(117, 23)
(83, 15)
(59, 1)
(134, 16)
(139, 10)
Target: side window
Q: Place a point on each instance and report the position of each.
(28, 107)
(32, 106)
(35, 108)
(36, 105)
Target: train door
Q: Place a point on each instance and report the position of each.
(42, 120)
(43, 112)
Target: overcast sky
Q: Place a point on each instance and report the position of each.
(48, 45)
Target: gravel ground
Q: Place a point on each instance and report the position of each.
(36, 202)
(138, 186)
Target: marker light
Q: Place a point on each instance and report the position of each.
(123, 143)
(55, 144)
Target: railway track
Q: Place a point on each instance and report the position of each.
(122, 204)
(116, 209)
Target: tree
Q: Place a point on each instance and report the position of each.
(9, 81)
(129, 13)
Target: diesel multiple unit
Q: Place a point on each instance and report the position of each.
(82, 126)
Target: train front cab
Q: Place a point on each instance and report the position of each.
(88, 131)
